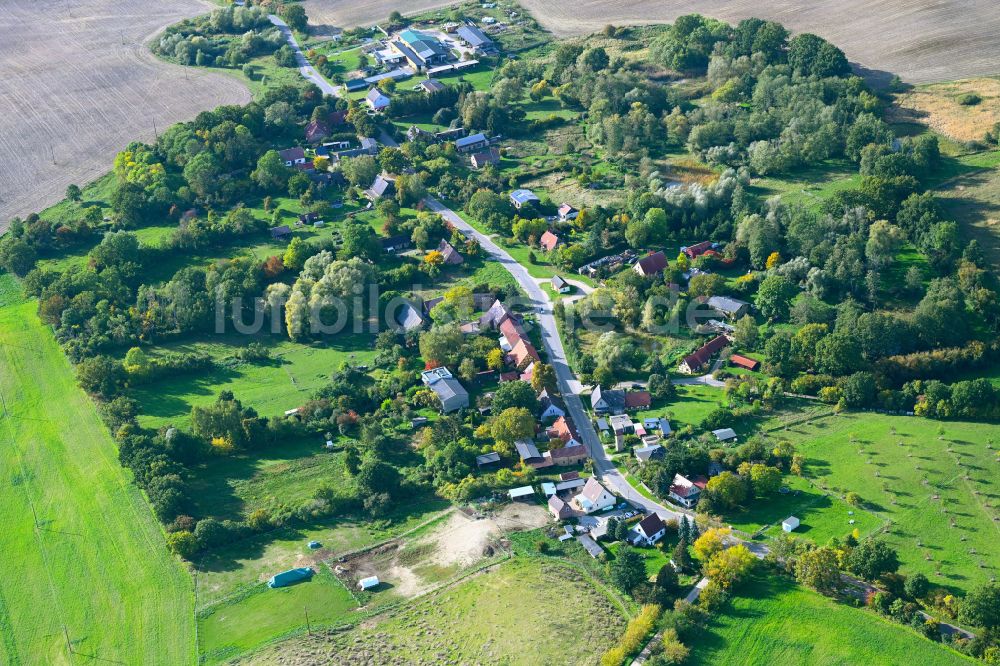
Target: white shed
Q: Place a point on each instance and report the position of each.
(789, 524)
(368, 583)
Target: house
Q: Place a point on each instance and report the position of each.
(594, 497)
(512, 333)
(394, 244)
(698, 249)
(429, 304)
(369, 583)
(384, 186)
(521, 198)
(607, 401)
(316, 131)
(449, 390)
(522, 494)
(686, 492)
(528, 452)
(567, 213)
(725, 435)
(559, 509)
(590, 546)
(646, 453)
(790, 524)
(488, 460)
(692, 363)
(377, 101)
(476, 39)
(416, 422)
(420, 49)
(450, 254)
(651, 264)
(550, 407)
(567, 455)
(409, 318)
(450, 134)
(522, 353)
(560, 286)
(472, 144)
(744, 362)
(481, 159)
(431, 86)
(416, 134)
(637, 400)
(290, 577)
(292, 156)
(496, 315)
(549, 241)
(561, 429)
(732, 308)
(650, 529)
(621, 424)
(281, 233)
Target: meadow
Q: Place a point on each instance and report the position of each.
(933, 482)
(85, 559)
(773, 621)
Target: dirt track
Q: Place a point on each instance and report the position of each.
(921, 40)
(78, 84)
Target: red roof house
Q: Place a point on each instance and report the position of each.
(549, 241)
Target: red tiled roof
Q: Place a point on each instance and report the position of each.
(512, 331)
(548, 241)
(700, 357)
(744, 362)
(698, 249)
(637, 399)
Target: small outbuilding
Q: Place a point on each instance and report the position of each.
(290, 577)
(369, 583)
(522, 494)
(790, 524)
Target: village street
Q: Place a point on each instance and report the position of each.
(305, 68)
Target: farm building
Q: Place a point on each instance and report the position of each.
(521, 198)
(522, 494)
(488, 460)
(698, 249)
(551, 409)
(383, 186)
(590, 546)
(409, 318)
(369, 583)
(646, 453)
(476, 39)
(396, 243)
(559, 509)
(450, 254)
(450, 392)
(790, 524)
(568, 455)
(281, 233)
(472, 144)
(567, 213)
(292, 156)
(651, 264)
(419, 49)
(290, 577)
(724, 435)
(489, 156)
(692, 363)
(732, 308)
(528, 452)
(744, 362)
(431, 86)
(607, 401)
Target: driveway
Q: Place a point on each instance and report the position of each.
(304, 67)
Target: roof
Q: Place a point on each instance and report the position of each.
(548, 488)
(409, 318)
(726, 304)
(651, 263)
(423, 45)
(614, 399)
(316, 130)
(548, 241)
(559, 507)
(723, 434)
(376, 97)
(590, 545)
(488, 458)
(527, 450)
(473, 36)
(474, 139)
(744, 362)
(523, 196)
(637, 399)
(569, 476)
(290, 576)
(399, 240)
(292, 154)
(700, 357)
(522, 351)
(682, 487)
(523, 491)
(496, 315)
(566, 209)
(697, 249)
(568, 452)
(651, 524)
(383, 186)
(491, 156)
(569, 484)
(451, 255)
(432, 85)
(592, 489)
(562, 428)
(558, 282)
(512, 331)
(278, 232)
(369, 582)
(644, 453)
(791, 520)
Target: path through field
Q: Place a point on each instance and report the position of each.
(87, 578)
(77, 84)
(921, 40)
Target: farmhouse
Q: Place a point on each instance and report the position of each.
(685, 492)
(696, 361)
(567, 455)
(732, 308)
(607, 401)
(646, 453)
(376, 100)
(394, 244)
(489, 156)
(383, 186)
(651, 264)
(594, 497)
(649, 530)
(450, 392)
(637, 400)
(281, 233)
(654, 423)
(551, 408)
(316, 131)
(561, 429)
(559, 509)
(521, 198)
(472, 144)
(560, 286)
(450, 254)
(744, 362)
(522, 353)
(567, 213)
(292, 156)
(420, 49)
(497, 314)
(549, 241)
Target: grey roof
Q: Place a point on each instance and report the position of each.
(374, 95)
(726, 304)
(614, 399)
(645, 453)
(292, 154)
(569, 484)
(488, 459)
(473, 36)
(527, 450)
(432, 85)
(724, 433)
(449, 389)
(382, 186)
(590, 545)
(409, 318)
(470, 140)
(558, 282)
(523, 196)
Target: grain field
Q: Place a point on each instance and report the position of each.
(77, 84)
(921, 40)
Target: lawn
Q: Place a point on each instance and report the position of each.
(231, 629)
(85, 558)
(526, 611)
(935, 488)
(773, 621)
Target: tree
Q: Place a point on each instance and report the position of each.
(765, 480)
(681, 557)
(514, 394)
(17, 256)
(819, 569)
(746, 334)
(543, 378)
(271, 173)
(727, 567)
(872, 558)
(774, 296)
(494, 359)
(981, 606)
(376, 477)
(627, 570)
(512, 424)
(443, 345)
(73, 192)
(202, 174)
(183, 544)
(917, 586)
(728, 488)
(596, 59)
(295, 17)
(100, 375)
(710, 542)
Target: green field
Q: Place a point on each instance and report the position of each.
(935, 488)
(773, 621)
(83, 555)
(526, 611)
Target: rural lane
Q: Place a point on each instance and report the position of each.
(305, 68)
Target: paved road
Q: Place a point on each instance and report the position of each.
(569, 385)
(304, 67)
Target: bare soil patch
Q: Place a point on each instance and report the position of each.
(79, 84)
(939, 107)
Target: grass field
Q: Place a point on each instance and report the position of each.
(526, 611)
(936, 489)
(92, 564)
(773, 621)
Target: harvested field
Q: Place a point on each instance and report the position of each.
(921, 40)
(79, 84)
(939, 107)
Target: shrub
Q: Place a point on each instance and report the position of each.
(635, 634)
(969, 99)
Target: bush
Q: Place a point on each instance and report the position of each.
(969, 99)
(635, 634)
